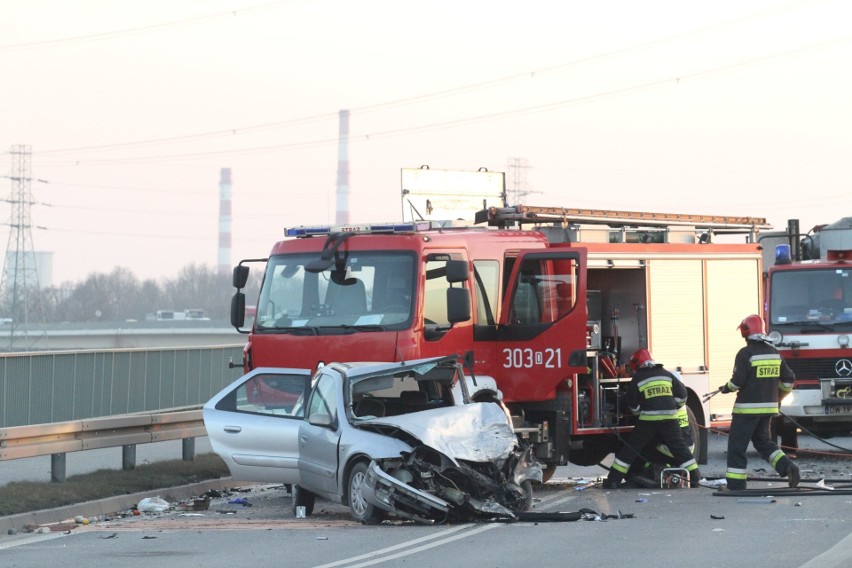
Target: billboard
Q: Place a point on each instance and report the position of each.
(429, 194)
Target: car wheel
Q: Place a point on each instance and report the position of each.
(360, 509)
(303, 498)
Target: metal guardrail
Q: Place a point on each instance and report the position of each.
(59, 438)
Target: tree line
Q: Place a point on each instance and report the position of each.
(120, 296)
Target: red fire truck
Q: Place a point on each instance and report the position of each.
(551, 312)
(809, 316)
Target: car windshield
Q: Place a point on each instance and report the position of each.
(403, 392)
(816, 299)
(363, 291)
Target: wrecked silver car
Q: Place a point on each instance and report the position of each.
(385, 439)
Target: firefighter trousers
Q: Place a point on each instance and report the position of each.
(669, 433)
(752, 428)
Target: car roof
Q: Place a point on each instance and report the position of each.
(363, 369)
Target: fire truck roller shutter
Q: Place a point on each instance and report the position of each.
(675, 312)
(733, 291)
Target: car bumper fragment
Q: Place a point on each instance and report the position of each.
(390, 494)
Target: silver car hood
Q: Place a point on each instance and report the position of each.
(478, 432)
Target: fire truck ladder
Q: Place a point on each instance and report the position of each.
(505, 216)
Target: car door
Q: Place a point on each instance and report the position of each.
(253, 424)
(319, 436)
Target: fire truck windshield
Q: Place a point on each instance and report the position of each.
(362, 291)
(811, 296)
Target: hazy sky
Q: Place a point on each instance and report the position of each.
(737, 107)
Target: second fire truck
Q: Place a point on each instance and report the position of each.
(809, 317)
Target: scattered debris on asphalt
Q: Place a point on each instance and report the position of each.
(153, 505)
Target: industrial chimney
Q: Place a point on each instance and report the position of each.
(342, 217)
(225, 221)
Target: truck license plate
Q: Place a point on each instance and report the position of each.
(839, 409)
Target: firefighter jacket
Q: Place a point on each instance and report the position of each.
(655, 394)
(759, 374)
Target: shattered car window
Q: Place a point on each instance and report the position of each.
(276, 394)
(416, 389)
(323, 399)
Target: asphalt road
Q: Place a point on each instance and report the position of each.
(691, 527)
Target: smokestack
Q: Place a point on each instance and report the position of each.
(225, 221)
(342, 217)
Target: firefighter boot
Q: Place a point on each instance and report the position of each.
(792, 474)
(695, 478)
(613, 480)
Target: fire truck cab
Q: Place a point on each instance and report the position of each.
(809, 318)
(549, 302)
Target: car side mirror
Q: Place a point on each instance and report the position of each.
(321, 419)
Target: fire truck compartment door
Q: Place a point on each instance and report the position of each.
(541, 338)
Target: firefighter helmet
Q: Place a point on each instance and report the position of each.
(752, 325)
(639, 359)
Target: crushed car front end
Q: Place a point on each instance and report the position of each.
(477, 472)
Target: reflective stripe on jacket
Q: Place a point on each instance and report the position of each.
(655, 394)
(759, 373)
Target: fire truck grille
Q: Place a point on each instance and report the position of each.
(814, 368)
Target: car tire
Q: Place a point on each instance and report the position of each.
(303, 498)
(358, 507)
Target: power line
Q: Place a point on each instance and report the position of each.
(545, 107)
(528, 75)
(154, 234)
(59, 42)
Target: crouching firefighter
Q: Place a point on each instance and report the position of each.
(760, 378)
(657, 396)
(657, 456)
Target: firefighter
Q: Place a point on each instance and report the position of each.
(657, 396)
(759, 374)
(657, 454)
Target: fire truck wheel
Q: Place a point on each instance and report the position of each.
(547, 473)
(696, 432)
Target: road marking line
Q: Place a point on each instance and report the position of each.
(444, 537)
(443, 541)
(406, 544)
(31, 539)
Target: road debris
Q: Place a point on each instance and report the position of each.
(195, 504)
(758, 500)
(153, 505)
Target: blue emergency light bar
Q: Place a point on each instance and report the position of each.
(367, 228)
(782, 254)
